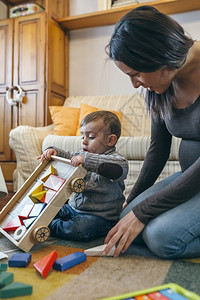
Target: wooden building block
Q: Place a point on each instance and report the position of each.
(37, 190)
(13, 224)
(48, 196)
(19, 260)
(37, 209)
(38, 196)
(16, 289)
(97, 251)
(54, 182)
(3, 267)
(44, 265)
(28, 222)
(69, 261)
(5, 278)
(49, 171)
(26, 211)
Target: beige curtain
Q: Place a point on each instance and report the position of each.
(3, 188)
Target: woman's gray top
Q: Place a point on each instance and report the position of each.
(185, 124)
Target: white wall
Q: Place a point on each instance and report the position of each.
(3, 11)
(90, 74)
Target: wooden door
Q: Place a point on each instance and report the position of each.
(6, 53)
(56, 61)
(29, 68)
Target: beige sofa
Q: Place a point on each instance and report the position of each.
(29, 142)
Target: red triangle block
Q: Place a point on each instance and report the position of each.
(13, 224)
(44, 265)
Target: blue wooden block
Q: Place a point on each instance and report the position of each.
(170, 294)
(20, 260)
(69, 261)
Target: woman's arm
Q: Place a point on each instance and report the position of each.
(179, 191)
(129, 227)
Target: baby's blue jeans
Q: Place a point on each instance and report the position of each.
(72, 225)
(176, 232)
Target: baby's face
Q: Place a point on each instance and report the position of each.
(94, 138)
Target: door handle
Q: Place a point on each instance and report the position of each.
(18, 98)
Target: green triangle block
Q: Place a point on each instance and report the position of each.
(5, 278)
(28, 222)
(3, 267)
(16, 289)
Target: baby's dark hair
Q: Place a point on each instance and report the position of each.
(108, 118)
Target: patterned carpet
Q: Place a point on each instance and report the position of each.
(101, 277)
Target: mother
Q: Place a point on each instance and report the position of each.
(154, 51)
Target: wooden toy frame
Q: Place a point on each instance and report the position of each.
(39, 231)
(173, 286)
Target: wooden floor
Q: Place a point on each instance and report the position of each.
(4, 201)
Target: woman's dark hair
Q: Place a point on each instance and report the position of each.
(108, 117)
(147, 40)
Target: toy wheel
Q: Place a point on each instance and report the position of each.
(41, 234)
(78, 185)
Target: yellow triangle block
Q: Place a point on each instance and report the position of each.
(50, 170)
(38, 189)
(40, 195)
(37, 194)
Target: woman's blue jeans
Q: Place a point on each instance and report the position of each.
(176, 232)
(72, 225)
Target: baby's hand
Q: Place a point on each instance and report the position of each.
(124, 205)
(77, 160)
(47, 154)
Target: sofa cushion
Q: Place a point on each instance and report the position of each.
(65, 119)
(84, 111)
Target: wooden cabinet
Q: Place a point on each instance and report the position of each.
(5, 79)
(33, 56)
(29, 69)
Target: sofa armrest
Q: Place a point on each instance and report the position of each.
(26, 142)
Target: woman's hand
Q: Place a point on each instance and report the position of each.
(47, 154)
(77, 160)
(125, 231)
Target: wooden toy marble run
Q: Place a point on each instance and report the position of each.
(41, 197)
